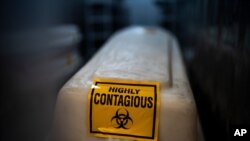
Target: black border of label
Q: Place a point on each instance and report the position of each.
(117, 134)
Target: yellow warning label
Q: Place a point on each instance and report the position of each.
(125, 109)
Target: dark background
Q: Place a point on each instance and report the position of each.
(44, 42)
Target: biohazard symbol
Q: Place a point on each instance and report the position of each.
(122, 119)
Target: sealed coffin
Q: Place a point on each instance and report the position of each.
(134, 88)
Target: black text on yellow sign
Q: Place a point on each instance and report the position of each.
(125, 109)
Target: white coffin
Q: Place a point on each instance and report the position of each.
(135, 53)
